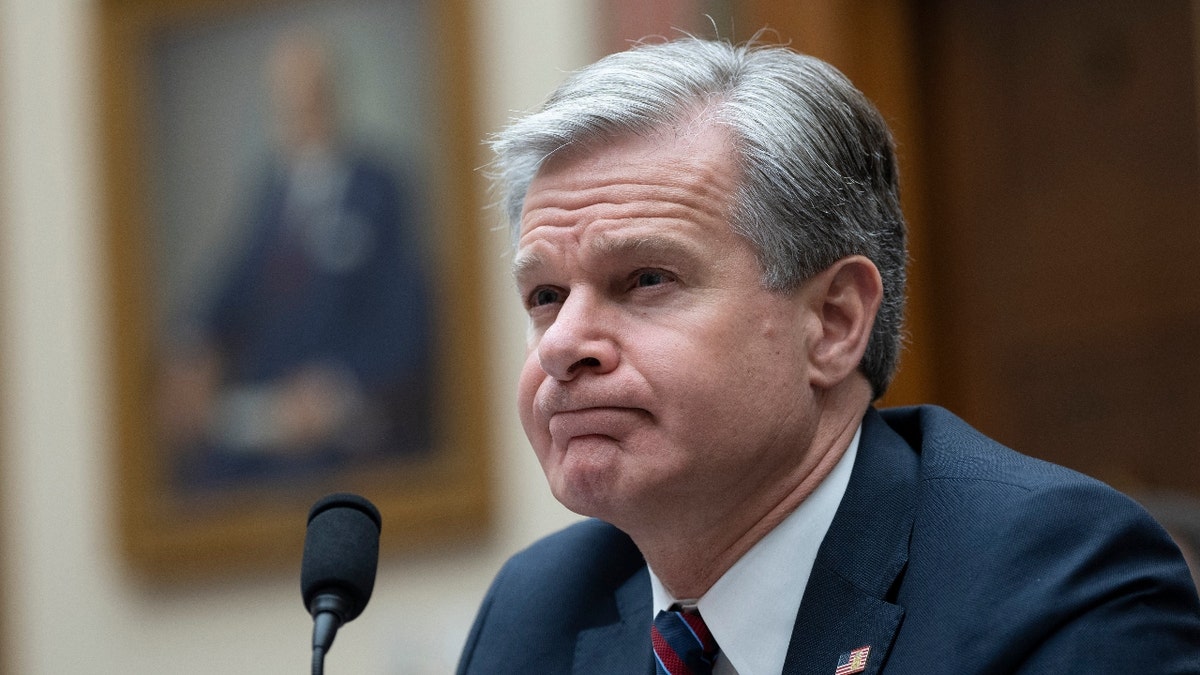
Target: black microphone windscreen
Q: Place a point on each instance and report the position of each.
(341, 551)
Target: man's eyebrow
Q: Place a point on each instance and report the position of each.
(524, 264)
(609, 246)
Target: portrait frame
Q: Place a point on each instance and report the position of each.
(169, 533)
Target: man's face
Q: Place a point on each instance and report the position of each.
(661, 377)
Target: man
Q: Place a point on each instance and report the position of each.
(711, 253)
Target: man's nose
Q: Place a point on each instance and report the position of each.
(581, 339)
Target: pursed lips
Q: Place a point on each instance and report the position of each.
(613, 422)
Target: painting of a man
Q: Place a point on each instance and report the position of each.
(313, 350)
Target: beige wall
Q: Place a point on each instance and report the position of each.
(70, 608)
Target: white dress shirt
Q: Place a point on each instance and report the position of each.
(751, 610)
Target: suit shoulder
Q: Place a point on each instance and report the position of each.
(1027, 561)
(985, 488)
(547, 595)
(950, 449)
(590, 554)
(578, 542)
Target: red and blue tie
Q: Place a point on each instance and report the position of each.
(683, 645)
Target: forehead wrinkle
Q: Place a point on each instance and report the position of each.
(687, 182)
(548, 203)
(638, 204)
(643, 209)
(652, 245)
(689, 187)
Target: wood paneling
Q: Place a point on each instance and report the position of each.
(1063, 147)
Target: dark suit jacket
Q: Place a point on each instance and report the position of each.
(948, 554)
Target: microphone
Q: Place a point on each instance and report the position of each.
(341, 552)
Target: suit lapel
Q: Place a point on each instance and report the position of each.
(846, 602)
(620, 644)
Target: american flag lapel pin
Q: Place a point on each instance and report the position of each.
(853, 661)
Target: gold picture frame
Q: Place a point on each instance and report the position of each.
(184, 90)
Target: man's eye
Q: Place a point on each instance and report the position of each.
(544, 296)
(652, 278)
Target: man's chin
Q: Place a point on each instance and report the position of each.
(588, 486)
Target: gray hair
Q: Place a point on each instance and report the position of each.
(819, 180)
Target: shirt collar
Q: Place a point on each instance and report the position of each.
(751, 610)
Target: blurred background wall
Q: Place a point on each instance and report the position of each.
(1051, 162)
(70, 603)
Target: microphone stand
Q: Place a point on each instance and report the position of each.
(327, 611)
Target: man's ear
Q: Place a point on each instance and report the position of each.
(843, 300)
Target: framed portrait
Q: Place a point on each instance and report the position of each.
(291, 208)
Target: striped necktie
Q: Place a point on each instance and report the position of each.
(682, 644)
